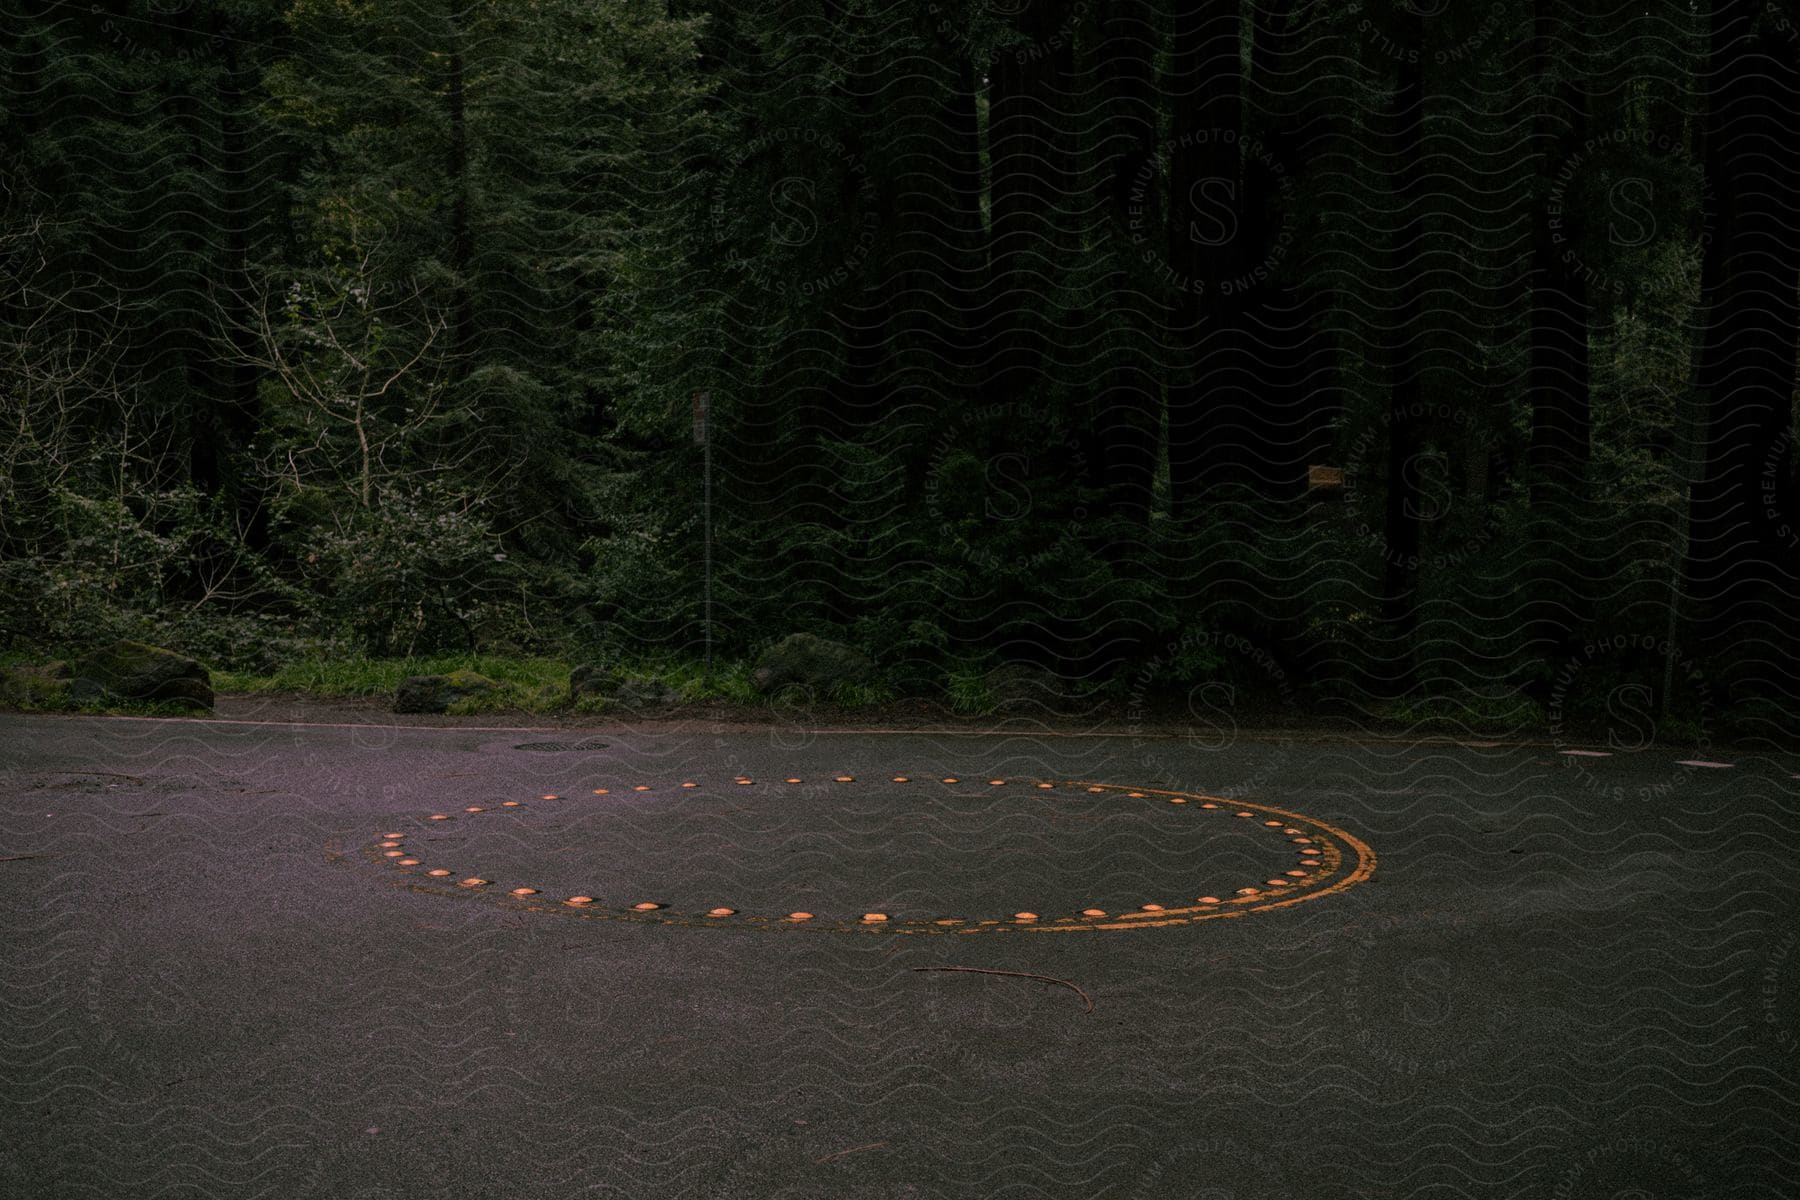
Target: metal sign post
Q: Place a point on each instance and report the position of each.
(1690, 417)
(703, 438)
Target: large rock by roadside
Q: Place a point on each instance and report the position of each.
(28, 686)
(132, 671)
(436, 693)
(590, 680)
(636, 695)
(814, 662)
(641, 694)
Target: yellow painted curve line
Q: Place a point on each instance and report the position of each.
(1343, 861)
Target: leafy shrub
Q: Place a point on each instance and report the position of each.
(966, 684)
(415, 572)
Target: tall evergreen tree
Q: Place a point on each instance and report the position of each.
(472, 186)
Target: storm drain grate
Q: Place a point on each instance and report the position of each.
(561, 747)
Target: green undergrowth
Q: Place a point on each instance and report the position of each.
(113, 708)
(1472, 716)
(540, 685)
(347, 677)
(966, 687)
(134, 708)
(533, 685)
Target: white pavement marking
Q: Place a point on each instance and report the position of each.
(1589, 753)
(1698, 762)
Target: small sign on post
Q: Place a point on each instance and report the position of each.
(702, 402)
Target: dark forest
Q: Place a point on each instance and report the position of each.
(1422, 360)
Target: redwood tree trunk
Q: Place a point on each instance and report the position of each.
(462, 239)
(1742, 539)
(1204, 231)
(1558, 374)
(1290, 426)
(1029, 90)
(1401, 515)
(1127, 410)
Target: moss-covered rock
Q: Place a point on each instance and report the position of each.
(640, 694)
(45, 686)
(436, 693)
(590, 680)
(136, 673)
(813, 662)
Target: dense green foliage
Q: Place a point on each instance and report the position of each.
(373, 328)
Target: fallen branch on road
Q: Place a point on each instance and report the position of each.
(851, 1150)
(1086, 999)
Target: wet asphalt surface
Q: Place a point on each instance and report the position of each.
(1564, 977)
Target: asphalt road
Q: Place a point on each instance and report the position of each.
(1501, 970)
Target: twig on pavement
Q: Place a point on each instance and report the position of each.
(851, 1150)
(1086, 999)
